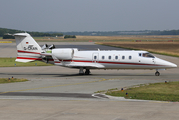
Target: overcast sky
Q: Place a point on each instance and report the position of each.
(89, 15)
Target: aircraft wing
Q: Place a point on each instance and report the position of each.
(73, 65)
(85, 65)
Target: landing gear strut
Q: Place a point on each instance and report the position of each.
(81, 72)
(157, 73)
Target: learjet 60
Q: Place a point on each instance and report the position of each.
(28, 50)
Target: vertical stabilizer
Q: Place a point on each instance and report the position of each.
(27, 48)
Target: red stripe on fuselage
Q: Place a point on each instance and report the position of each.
(27, 58)
(105, 62)
(128, 63)
(21, 51)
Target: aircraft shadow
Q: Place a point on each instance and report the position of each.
(72, 75)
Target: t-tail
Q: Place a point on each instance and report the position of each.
(27, 48)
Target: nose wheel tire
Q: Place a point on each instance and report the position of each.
(157, 74)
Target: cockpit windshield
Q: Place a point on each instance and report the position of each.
(146, 55)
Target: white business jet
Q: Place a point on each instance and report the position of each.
(28, 50)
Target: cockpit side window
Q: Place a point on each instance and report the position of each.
(148, 55)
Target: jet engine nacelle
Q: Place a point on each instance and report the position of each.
(63, 53)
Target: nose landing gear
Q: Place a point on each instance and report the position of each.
(157, 73)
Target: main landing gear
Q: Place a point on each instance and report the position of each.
(87, 72)
(157, 73)
(81, 72)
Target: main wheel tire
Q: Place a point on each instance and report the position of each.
(87, 72)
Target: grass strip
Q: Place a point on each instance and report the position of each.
(10, 62)
(11, 80)
(156, 91)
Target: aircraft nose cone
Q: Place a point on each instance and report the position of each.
(165, 63)
(173, 65)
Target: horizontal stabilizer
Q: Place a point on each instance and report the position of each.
(23, 60)
(21, 34)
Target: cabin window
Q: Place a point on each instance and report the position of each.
(130, 57)
(123, 57)
(95, 57)
(103, 57)
(139, 54)
(109, 57)
(116, 57)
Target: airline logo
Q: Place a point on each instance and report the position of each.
(30, 47)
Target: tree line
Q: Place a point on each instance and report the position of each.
(69, 36)
(91, 33)
(5, 31)
(114, 33)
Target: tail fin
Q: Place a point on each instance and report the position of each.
(27, 48)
